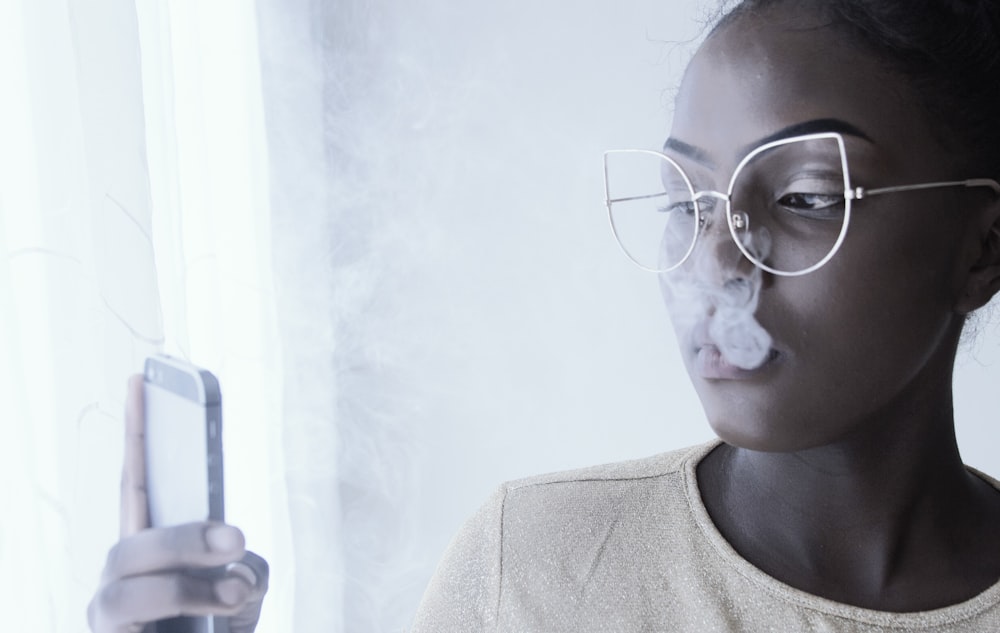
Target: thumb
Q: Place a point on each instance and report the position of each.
(134, 500)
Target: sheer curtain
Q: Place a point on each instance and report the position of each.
(175, 179)
(135, 218)
(79, 295)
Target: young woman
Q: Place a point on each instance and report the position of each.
(835, 499)
(827, 217)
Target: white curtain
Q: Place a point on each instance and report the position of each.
(134, 218)
(163, 190)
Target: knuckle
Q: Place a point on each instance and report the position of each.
(179, 590)
(113, 562)
(191, 591)
(183, 542)
(104, 605)
(172, 539)
(111, 596)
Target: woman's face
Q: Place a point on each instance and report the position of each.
(865, 337)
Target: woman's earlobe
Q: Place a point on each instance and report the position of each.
(983, 281)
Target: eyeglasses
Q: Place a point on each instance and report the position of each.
(787, 207)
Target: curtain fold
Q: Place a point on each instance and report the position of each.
(78, 292)
(302, 226)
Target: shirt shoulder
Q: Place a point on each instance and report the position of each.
(648, 467)
(578, 544)
(596, 494)
(558, 531)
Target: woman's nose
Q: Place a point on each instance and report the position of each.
(717, 259)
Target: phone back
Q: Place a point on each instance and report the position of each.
(183, 414)
(183, 443)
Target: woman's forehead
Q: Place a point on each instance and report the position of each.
(755, 76)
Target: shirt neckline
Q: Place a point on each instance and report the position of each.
(952, 614)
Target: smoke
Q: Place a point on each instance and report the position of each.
(720, 286)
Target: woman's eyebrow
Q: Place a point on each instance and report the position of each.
(813, 126)
(694, 153)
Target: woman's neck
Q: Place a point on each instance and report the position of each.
(887, 518)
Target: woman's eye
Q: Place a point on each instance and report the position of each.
(813, 205)
(685, 207)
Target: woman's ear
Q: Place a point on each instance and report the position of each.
(983, 280)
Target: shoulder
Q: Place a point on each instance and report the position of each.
(636, 469)
(610, 481)
(562, 514)
(540, 537)
(570, 541)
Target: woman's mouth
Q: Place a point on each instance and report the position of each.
(710, 364)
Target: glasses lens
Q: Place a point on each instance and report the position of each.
(788, 204)
(651, 206)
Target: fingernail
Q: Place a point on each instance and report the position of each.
(223, 538)
(231, 591)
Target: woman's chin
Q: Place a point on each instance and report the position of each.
(747, 416)
(760, 433)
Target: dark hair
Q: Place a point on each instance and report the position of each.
(949, 51)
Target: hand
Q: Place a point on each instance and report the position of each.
(155, 573)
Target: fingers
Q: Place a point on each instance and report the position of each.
(253, 569)
(134, 501)
(194, 569)
(151, 574)
(124, 603)
(160, 549)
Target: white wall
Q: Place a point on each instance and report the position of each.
(544, 348)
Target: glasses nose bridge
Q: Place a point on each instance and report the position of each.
(707, 219)
(706, 222)
(721, 252)
(710, 193)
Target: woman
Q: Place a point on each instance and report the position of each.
(820, 330)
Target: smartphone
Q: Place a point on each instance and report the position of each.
(183, 413)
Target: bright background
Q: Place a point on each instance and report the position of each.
(380, 223)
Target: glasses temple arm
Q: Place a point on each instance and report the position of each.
(651, 195)
(860, 192)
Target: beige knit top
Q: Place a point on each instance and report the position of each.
(630, 547)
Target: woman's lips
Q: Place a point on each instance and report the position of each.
(710, 364)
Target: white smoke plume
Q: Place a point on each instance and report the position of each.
(726, 292)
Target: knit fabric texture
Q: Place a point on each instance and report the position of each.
(630, 547)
